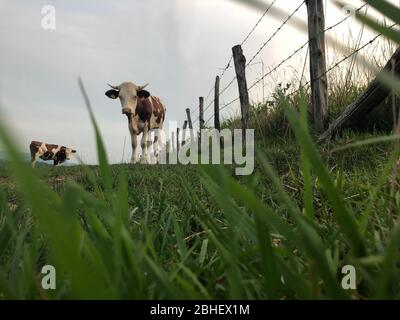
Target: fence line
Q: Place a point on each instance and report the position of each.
(260, 49)
(275, 33)
(319, 77)
(298, 50)
(312, 36)
(228, 65)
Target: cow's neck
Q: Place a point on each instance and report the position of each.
(133, 124)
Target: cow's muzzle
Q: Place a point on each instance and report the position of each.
(126, 111)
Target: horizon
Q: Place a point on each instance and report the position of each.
(178, 52)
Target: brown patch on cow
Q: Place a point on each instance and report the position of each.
(51, 147)
(144, 109)
(158, 110)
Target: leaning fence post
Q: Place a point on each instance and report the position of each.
(240, 67)
(217, 124)
(319, 80)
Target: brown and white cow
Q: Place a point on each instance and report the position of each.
(44, 151)
(144, 111)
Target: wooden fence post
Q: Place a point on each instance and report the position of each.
(185, 124)
(367, 101)
(319, 79)
(201, 117)
(201, 112)
(240, 67)
(189, 119)
(177, 140)
(217, 124)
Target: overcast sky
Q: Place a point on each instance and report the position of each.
(178, 46)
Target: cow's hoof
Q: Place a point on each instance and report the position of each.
(143, 161)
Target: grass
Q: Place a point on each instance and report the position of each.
(199, 232)
(188, 232)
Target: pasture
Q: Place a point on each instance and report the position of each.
(186, 232)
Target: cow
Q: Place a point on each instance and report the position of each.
(46, 152)
(145, 113)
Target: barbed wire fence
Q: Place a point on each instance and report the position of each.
(312, 39)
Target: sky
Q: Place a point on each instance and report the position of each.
(177, 46)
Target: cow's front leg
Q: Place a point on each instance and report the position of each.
(143, 144)
(134, 145)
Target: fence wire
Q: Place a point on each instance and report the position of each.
(297, 51)
(260, 49)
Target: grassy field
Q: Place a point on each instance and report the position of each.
(200, 232)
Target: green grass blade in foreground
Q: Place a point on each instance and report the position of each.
(311, 242)
(305, 165)
(252, 202)
(308, 243)
(386, 8)
(101, 151)
(383, 177)
(230, 248)
(390, 273)
(347, 222)
(367, 142)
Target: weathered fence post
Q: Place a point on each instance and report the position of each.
(319, 79)
(185, 124)
(240, 67)
(189, 119)
(201, 112)
(177, 140)
(217, 124)
(201, 117)
(375, 93)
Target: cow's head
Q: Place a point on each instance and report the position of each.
(128, 93)
(64, 154)
(69, 152)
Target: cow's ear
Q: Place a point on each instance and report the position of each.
(143, 94)
(112, 94)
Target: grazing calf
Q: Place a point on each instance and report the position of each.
(144, 111)
(49, 152)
